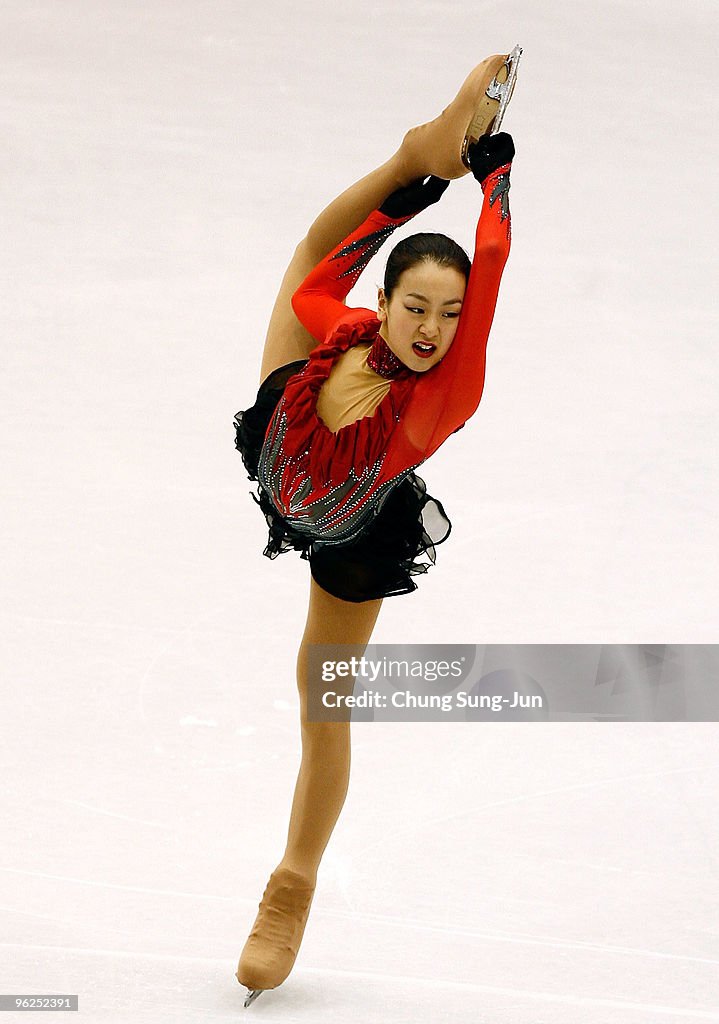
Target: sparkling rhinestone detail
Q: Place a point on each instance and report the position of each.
(501, 191)
(331, 514)
(382, 359)
(366, 248)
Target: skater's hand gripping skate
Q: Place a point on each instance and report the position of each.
(489, 153)
(413, 198)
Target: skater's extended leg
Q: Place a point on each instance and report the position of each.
(432, 148)
(287, 340)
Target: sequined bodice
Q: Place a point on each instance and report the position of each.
(326, 476)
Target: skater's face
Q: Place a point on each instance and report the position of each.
(420, 319)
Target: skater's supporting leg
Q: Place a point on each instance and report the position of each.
(432, 148)
(324, 771)
(269, 953)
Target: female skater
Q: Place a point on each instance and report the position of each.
(338, 428)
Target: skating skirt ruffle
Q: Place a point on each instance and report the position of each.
(383, 559)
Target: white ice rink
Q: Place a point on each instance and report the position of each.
(160, 160)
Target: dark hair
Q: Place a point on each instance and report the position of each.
(424, 248)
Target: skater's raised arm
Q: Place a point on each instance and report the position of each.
(318, 302)
(447, 395)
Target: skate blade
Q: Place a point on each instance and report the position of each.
(504, 91)
(496, 91)
(252, 994)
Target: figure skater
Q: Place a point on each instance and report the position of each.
(351, 402)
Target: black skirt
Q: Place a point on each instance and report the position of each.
(383, 559)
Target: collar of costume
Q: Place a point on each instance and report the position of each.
(355, 447)
(382, 359)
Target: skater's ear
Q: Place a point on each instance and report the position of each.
(381, 305)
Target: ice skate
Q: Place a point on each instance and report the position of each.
(500, 88)
(271, 949)
(439, 147)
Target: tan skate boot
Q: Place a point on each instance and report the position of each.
(439, 146)
(271, 949)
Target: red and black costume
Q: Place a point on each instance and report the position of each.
(336, 496)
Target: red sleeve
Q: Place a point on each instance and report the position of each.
(448, 394)
(318, 301)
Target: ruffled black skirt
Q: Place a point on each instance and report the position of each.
(383, 559)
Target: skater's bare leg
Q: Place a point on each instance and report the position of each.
(269, 953)
(432, 148)
(324, 770)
